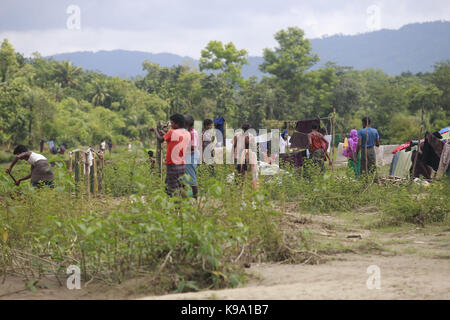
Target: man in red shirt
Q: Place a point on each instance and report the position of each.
(178, 140)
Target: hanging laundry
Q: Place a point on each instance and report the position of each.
(295, 159)
(305, 126)
(329, 138)
(403, 165)
(445, 159)
(402, 147)
(299, 140)
(432, 150)
(394, 164)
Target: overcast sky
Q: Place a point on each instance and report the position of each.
(184, 27)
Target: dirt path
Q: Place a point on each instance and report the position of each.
(402, 277)
(414, 263)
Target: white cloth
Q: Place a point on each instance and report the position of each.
(284, 144)
(103, 145)
(35, 157)
(329, 138)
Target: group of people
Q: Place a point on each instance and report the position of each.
(183, 153)
(360, 149)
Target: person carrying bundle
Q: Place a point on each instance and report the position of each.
(41, 173)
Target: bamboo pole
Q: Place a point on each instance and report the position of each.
(159, 156)
(95, 174)
(333, 139)
(418, 148)
(86, 173)
(103, 175)
(70, 164)
(367, 140)
(77, 172)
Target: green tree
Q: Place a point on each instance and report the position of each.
(8, 60)
(290, 60)
(66, 73)
(225, 58)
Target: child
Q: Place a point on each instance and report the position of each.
(177, 139)
(41, 173)
(244, 144)
(151, 159)
(192, 155)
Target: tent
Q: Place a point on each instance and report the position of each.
(445, 133)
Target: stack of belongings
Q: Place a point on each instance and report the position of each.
(436, 153)
(445, 133)
(299, 141)
(401, 162)
(434, 156)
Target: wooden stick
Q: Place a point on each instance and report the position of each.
(70, 164)
(333, 139)
(418, 148)
(367, 140)
(103, 175)
(95, 175)
(86, 173)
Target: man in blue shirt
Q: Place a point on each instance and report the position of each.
(368, 137)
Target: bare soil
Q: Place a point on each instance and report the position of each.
(414, 264)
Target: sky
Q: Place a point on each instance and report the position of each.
(184, 27)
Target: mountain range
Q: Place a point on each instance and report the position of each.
(414, 48)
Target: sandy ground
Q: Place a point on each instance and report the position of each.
(401, 277)
(414, 263)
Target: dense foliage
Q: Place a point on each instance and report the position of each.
(43, 98)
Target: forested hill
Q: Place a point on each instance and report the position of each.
(415, 47)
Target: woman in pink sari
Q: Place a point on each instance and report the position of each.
(350, 152)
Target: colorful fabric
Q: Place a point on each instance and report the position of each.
(177, 143)
(316, 141)
(350, 151)
(355, 166)
(402, 147)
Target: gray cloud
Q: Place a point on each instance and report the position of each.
(185, 26)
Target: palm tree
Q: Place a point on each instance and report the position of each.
(100, 95)
(66, 73)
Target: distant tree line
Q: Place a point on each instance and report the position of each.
(43, 98)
